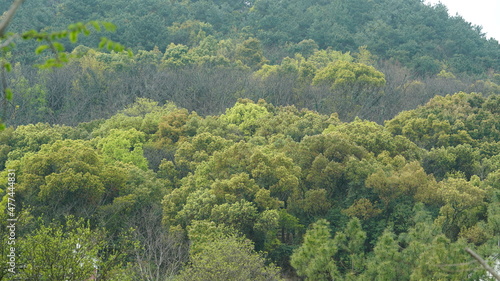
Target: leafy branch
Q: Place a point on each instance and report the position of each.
(51, 42)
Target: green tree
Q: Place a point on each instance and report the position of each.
(72, 251)
(50, 42)
(354, 85)
(387, 263)
(350, 244)
(124, 146)
(250, 53)
(442, 260)
(314, 259)
(224, 256)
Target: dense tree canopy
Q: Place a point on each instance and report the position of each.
(320, 197)
(249, 140)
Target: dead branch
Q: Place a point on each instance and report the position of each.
(8, 16)
(483, 263)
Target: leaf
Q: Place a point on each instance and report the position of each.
(7, 66)
(29, 34)
(8, 94)
(59, 47)
(110, 45)
(108, 26)
(96, 25)
(41, 48)
(103, 42)
(73, 36)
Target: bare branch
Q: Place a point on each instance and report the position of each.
(483, 263)
(8, 16)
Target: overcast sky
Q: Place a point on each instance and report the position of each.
(485, 13)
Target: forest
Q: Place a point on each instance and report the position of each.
(247, 140)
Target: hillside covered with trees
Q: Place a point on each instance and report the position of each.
(371, 59)
(251, 140)
(323, 198)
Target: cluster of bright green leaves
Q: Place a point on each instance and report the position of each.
(144, 115)
(343, 74)
(218, 252)
(72, 32)
(124, 146)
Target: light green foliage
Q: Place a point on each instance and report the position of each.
(364, 56)
(288, 66)
(198, 206)
(259, 170)
(354, 87)
(75, 162)
(191, 153)
(69, 184)
(449, 121)
(217, 253)
(176, 126)
(376, 138)
(296, 124)
(143, 115)
(70, 177)
(177, 56)
(322, 58)
(463, 202)
(267, 172)
(314, 258)
(202, 232)
(30, 138)
(272, 171)
(323, 159)
(238, 187)
(343, 74)
(301, 69)
(190, 32)
(56, 252)
(246, 115)
(408, 180)
(124, 146)
(152, 57)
